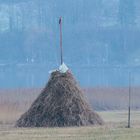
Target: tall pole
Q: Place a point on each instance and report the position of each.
(61, 49)
(129, 106)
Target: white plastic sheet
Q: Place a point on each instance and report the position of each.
(63, 68)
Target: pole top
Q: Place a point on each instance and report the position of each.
(60, 20)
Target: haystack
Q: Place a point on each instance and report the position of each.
(61, 104)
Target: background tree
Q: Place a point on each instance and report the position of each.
(126, 12)
(126, 18)
(11, 15)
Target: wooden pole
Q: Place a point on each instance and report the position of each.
(61, 49)
(129, 106)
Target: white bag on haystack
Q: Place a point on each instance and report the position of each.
(63, 68)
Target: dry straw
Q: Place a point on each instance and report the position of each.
(61, 104)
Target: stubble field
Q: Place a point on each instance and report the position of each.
(114, 129)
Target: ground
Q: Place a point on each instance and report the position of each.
(114, 129)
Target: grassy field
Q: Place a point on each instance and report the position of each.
(114, 129)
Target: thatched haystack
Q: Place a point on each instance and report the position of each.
(60, 104)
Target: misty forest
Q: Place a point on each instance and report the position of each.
(100, 41)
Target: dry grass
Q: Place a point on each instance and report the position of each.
(99, 98)
(113, 130)
(83, 133)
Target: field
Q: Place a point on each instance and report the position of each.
(114, 129)
(14, 102)
(105, 98)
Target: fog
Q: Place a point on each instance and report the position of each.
(100, 41)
